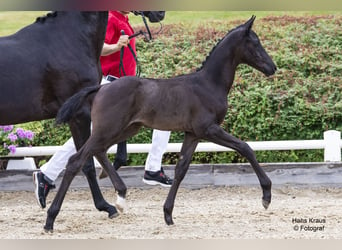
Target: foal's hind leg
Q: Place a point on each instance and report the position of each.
(80, 129)
(118, 183)
(100, 142)
(217, 135)
(188, 148)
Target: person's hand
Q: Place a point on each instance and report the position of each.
(123, 41)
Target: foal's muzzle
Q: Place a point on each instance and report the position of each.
(270, 69)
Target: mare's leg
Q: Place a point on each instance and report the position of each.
(188, 148)
(121, 155)
(118, 183)
(80, 130)
(217, 135)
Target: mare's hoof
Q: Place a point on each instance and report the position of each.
(112, 212)
(265, 203)
(112, 216)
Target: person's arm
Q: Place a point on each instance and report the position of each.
(112, 48)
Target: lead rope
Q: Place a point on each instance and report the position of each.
(121, 67)
(149, 38)
(148, 29)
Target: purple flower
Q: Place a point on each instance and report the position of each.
(12, 137)
(29, 135)
(19, 137)
(12, 148)
(21, 133)
(7, 128)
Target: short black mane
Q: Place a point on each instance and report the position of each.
(208, 56)
(42, 19)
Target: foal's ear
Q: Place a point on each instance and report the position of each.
(249, 24)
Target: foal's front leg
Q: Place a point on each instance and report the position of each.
(188, 148)
(217, 135)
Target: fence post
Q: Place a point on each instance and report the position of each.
(332, 149)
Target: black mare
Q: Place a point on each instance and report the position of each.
(45, 63)
(195, 103)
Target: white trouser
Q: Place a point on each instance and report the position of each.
(159, 143)
(59, 160)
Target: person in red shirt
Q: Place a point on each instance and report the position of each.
(115, 65)
(114, 41)
(110, 64)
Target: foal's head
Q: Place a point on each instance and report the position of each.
(250, 50)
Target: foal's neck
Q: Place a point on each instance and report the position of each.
(220, 68)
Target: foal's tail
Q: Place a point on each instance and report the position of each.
(79, 103)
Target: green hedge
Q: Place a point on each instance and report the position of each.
(301, 101)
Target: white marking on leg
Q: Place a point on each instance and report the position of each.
(121, 204)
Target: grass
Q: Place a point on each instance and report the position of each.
(12, 21)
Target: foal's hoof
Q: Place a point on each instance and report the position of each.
(103, 174)
(48, 230)
(265, 203)
(168, 220)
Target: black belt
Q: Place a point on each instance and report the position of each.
(110, 78)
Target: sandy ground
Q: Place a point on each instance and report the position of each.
(206, 213)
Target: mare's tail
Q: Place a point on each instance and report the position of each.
(79, 103)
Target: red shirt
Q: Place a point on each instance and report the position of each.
(110, 64)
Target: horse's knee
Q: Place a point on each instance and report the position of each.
(245, 149)
(89, 168)
(182, 165)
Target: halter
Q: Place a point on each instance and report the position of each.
(153, 19)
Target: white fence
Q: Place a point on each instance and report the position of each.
(331, 144)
